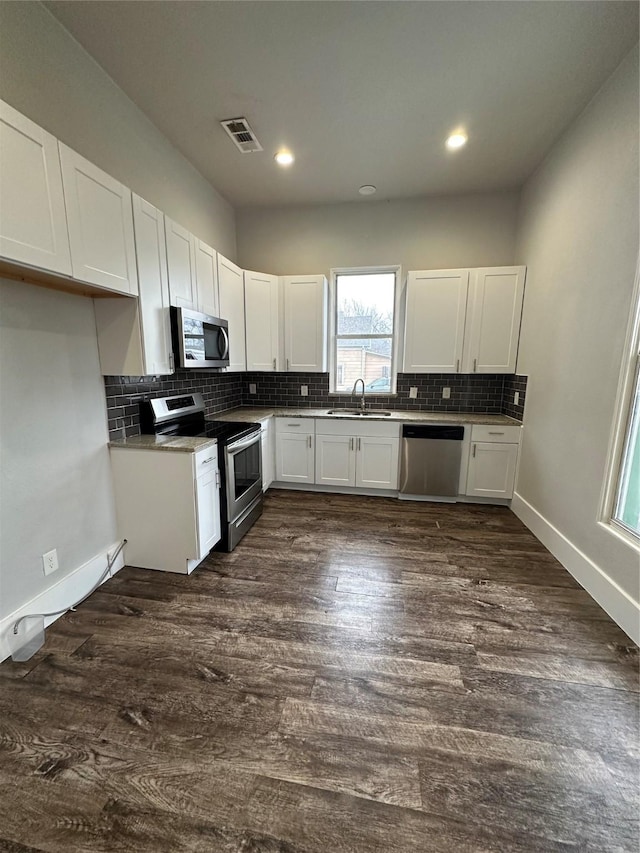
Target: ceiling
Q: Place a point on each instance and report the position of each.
(362, 92)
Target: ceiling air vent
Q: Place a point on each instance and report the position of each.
(243, 137)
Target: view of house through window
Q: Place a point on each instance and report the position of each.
(627, 507)
(364, 331)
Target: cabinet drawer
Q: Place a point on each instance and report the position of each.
(206, 460)
(504, 434)
(357, 426)
(302, 425)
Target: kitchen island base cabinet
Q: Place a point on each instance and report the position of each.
(167, 506)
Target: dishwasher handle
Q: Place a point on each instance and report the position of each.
(441, 433)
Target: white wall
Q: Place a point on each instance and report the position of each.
(48, 76)
(55, 481)
(578, 236)
(428, 233)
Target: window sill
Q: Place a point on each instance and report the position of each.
(622, 534)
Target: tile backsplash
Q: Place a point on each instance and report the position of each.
(220, 391)
(481, 393)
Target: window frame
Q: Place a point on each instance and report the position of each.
(629, 376)
(396, 270)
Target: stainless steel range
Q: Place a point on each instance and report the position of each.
(239, 457)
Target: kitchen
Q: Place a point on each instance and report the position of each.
(55, 456)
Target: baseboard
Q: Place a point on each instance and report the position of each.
(333, 490)
(624, 611)
(66, 592)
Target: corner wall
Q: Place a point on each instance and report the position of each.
(578, 236)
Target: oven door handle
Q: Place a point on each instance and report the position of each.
(243, 443)
(226, 343)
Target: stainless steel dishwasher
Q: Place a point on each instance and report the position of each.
(430, 463)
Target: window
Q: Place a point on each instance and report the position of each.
(363, 344)
(627, 505)
(621, 505)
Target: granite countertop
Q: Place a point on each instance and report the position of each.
(246, 413)
(173, 443)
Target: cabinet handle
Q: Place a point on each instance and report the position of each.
(294, 425)
(218, 478)
(495, 433)
(457, 365)
(274, 364)
(475, 364)
(350, 444)
(206, 461)
(171, 362)
(359, 443)
(474, 451)
(287, 364)
(309, 441)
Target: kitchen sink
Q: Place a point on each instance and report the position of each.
(359, 412)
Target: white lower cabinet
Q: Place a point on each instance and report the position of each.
(268, 453)
(492, 461)
(295, 450)
(167, 506)
(352, 453)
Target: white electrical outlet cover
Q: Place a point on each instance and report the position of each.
(413, 392)
(516, 398)
(304, 390)
(252, 388)
(50, 561)
(446, 393)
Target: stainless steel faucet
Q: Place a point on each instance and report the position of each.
(355, 385)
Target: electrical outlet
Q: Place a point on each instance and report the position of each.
(413, 392)
(516, 398)
(446, 393)
(50, 561)
(252, 387)
(304, 390)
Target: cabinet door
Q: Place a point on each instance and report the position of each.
(134, 336)
(181, 264)
(305, 323)
(294, 458)
(100, 220)
(261, 315)
(33, 220)
(377, 463)
(492, 469)
(335, 460)
(493, 320)
(231, 289)
(435, 320)
(208, 512)
(207, 279)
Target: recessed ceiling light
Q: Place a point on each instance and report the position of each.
(367, 189)
(284, 158)
(456, 140)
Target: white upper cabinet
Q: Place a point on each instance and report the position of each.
(33, 220)
(206, 279)
(134, 336)
(261, 309)
(231, 290)
(463, 321)
(100, 221)
(435, 321)
(493, 320)
(181, 263)
(305, 323)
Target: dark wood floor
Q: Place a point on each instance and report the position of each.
(359, 676)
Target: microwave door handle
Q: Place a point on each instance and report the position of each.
(225, 354)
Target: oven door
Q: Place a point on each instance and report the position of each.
(243, 462)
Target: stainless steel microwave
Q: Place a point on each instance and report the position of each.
(198, 339)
